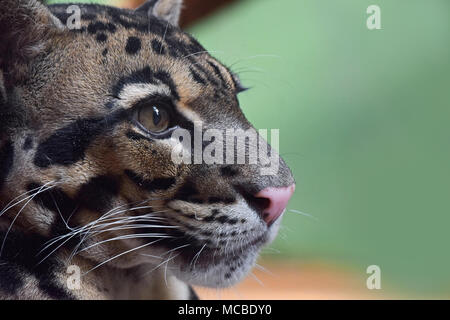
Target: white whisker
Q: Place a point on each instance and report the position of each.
(304, 214)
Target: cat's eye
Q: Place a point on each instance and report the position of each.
(154, 118)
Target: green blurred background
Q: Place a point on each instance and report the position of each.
(363, 118)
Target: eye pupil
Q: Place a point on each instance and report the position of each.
(153, 117)
(156, 116)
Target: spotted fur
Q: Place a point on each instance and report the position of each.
(81, 183)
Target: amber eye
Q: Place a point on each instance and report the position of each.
(154, 118)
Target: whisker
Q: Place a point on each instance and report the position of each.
(257, 266)
(17, 215)
(159, 265)
(8, 206)
(256, 279)
(304, 214)
(120, 254)
(125, 237)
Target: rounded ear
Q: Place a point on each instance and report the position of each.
(168, 10)
(25, 25)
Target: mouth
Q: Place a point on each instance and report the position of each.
(198, 255)
(208, 263)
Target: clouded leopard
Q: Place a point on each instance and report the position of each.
(87, 178)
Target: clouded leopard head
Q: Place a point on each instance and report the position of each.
(89, 113)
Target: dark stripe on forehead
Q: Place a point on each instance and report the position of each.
(146, 75)
(165, 78)
(150, 185)
(218, 73)
(68, 144)
(197, 78)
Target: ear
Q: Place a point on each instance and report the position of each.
(168, 10)
(25, 25)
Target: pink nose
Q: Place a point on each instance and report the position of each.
(278, 200)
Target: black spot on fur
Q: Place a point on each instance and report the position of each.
(227, 275)
(111, 27)
(105, 52)
(133, 45)
(101, 37)
(95, 27)
(158, 47)
(228, 171)
(28, 144)
(150, 185)
(6, 161)
(97, 194)
(222, 219)
(186, 192)
(68, 144)
(209, 219)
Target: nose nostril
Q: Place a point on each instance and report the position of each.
(257, 204)
(276, 200)
(270, 203)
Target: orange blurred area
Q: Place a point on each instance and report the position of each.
(296, 281)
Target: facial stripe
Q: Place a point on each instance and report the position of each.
(150, 185)
(98, 192)
(217, 72)
(197, 78)
(68, 145)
